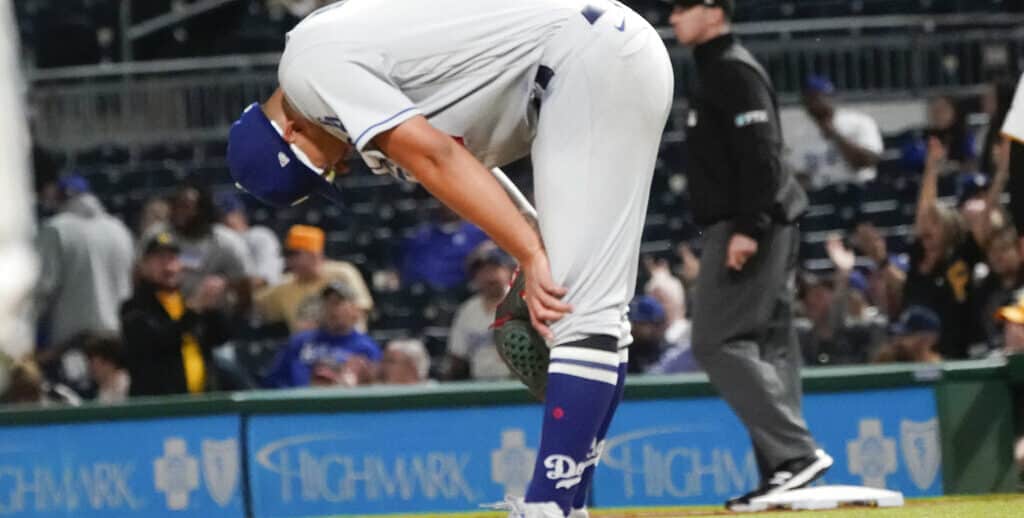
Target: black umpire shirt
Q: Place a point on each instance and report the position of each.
(734, 140)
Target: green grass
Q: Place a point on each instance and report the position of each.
(985, 506)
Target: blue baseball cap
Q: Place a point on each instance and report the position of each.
(917, 319)
(645, 308)
(273, 171)
(73, 184)
(818, 84)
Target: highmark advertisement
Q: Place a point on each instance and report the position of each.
(152, 469)
(675, 452)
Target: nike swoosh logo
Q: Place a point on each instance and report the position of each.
(622, 26)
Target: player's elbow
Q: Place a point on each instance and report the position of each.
(417, 147)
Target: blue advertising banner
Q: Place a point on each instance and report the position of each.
(674, 452)
(696, 451)
(390, 462)
(138, 469)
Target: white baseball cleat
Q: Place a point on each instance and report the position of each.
(519, 508)
(579, 513)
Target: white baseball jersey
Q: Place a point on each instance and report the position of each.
(361, 67)
(821, 159)
(478, 70)
(1013, 126)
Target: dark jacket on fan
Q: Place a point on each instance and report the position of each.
(153, 343)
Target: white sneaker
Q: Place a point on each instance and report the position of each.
(579, 513)
(519, 508)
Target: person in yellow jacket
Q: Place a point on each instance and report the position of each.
(295, 300)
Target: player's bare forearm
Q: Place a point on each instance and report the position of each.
(461, 182)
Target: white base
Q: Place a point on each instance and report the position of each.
(829, 497)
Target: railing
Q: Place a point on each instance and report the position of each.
(195, 99)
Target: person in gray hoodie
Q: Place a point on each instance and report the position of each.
(86, 258)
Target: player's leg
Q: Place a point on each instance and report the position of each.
(600, 124)
(582, 498)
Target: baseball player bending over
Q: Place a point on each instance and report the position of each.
(442, 91)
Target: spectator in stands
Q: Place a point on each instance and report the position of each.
(840, 326)
(942, 262)
(169, 337)
(295, 300)
(471, 350)
(207, 248)
(86, 257)
(669, 291)
(1012, 318)
(915, 338)
(25, 384)
(995, 103)
(436, 254)
(155, 213)
(405, 362)
(887, 275)
(107, 368)
(1005, 276)
(332, 343)
(262, 244)
(948, 124)
(847, 146)
(648, 322)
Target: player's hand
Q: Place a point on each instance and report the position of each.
(741, 249)
(543, 296)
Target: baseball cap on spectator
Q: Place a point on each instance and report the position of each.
(969, 186)
(339, 289)
(228, 202)
(73, 184)
(160, 242)
(646, 308)
(916, 319)
(305, 238)
(818, 84)
(487, 254)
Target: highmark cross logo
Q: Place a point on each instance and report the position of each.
(176, 473)
(872, 455)
(512, 464)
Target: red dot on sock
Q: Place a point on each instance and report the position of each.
(558, 413)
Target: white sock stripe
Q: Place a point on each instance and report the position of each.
(587, 355)
(624, 355)
(587, 373)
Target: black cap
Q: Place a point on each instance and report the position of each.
(160, 242)
(726, 5)
(341, 289)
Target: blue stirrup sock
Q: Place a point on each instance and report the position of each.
(582, 384)
(583, 494)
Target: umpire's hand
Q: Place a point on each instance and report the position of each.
(741, 249)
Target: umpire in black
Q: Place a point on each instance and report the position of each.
(747, 203)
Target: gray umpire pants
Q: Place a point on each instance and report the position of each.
(743, 337)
